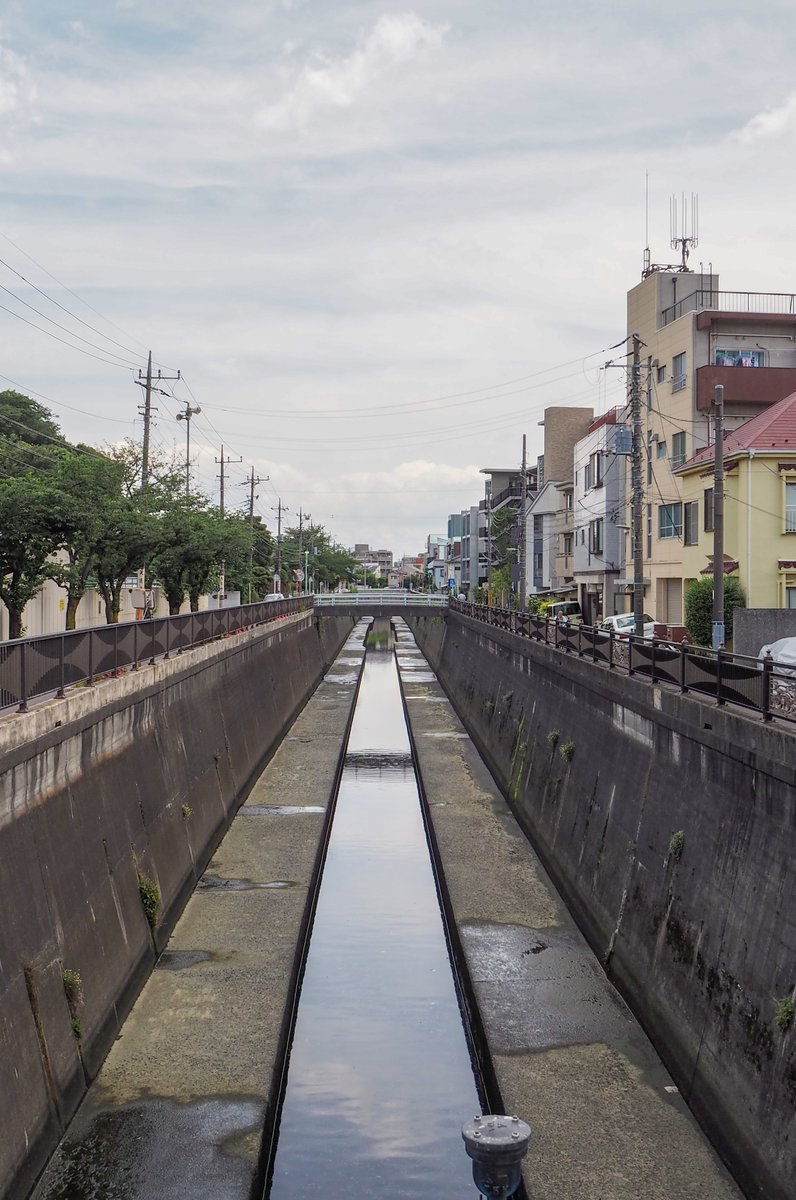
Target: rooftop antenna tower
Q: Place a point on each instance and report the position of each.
(647, 256)
(684, 227)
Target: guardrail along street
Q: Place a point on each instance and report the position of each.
(754, 683)
(39, 666)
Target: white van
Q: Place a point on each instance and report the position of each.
(564, 610)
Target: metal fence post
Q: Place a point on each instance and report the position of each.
(719, 680)
(683, 659)
(59, 695)
(611, 636)
(115, 671)
(90, 679)
(134, 666)
(23, 677)
(768, 665)
(652, 663)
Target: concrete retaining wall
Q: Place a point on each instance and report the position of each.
(670, 827)
(134, 779)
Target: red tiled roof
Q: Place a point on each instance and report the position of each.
(773, 429)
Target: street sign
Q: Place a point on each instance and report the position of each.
(299, 574)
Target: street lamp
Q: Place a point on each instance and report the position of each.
(186, 417)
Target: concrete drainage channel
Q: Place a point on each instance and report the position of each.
(180, 1105)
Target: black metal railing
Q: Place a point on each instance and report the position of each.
(753, 683)
(39, 666)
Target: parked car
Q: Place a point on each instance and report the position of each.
(274, 596)
(783, 652)
(564, 610)
(623, 624)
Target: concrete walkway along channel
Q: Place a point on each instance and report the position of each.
(380, 1077)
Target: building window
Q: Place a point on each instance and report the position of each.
(691, 523)
(568, 501)
(790, 597)
(660, 451)
(708, 525)
(678, 449)
(662, 374)
(596, 468)
(596, 536)
(670, 520)
(649, 531)
(678, 372)
(790, 507)
(587, 476)
(740, 357)
(567, 544)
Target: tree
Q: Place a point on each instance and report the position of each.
(699, 607)
(89, 487)
(31, 530)
(192, 542)
(24, 423)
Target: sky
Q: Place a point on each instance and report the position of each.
(376, 239)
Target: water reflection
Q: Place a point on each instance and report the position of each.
(380, 1075)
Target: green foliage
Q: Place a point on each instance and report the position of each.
(73, 988)
(567, 751)
(783, 1018)
(77, 1027)
(553, 737)
(677, 845)
(699, 607)
(187, 812)
(150, 898)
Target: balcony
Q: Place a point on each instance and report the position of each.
(755, 386)
(768, 304)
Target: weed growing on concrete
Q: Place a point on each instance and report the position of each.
(77, 1028)
(553, 737)
(489, 705)
(73, 987)
(150, 898)
(507, 699)
(567, 751)
(783, 1018)
(377, 639)
(187, 812)
(677, 845)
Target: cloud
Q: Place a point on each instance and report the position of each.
(337, 83)
(774, 123)
(17, 89)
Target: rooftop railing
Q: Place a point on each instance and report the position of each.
(783, 303)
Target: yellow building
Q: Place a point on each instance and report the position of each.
(759, 508)
(694, 336)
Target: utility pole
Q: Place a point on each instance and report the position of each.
(489, 542)
(524, 524)
(638, 489)
(222, 573)
(302, 515)
(280, 508)
(186, 417)
(252, 483)
(718, 518)
(146, 410)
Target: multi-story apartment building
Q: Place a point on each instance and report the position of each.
(600, 515)
(473, 571)
(549, 525)
(759, 508)
(694, 336)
